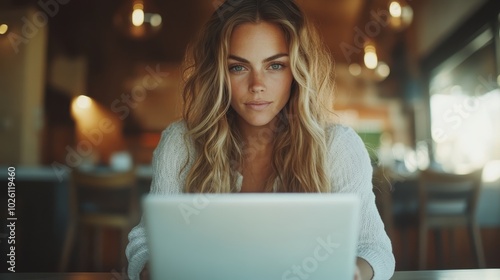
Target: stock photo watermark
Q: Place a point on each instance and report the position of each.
(263, 138)
(380, 19)
(120, 106)
(361, 37)
(126, 101)
(199, 202)
(454, 117)
(323, 250)
(11, 219)
(31, 26)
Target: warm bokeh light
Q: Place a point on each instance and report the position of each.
(401, 14)
(137, 17)
(155, 20)
(97, 129)
(83, 102)
(3, 28)
(395, 9)
(138, 5)
(370, 48)
(370, 58)
(355, 69)
(383, 70)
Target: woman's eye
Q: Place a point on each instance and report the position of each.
(276, 66)
(236, 68)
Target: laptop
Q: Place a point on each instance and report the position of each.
(252, 236)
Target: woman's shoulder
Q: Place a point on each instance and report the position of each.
(169, 157)
(350, 166)
(176, 128)
(339, 134)
(172, 137)
(345, 146)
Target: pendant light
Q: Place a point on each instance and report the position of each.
(138, 19)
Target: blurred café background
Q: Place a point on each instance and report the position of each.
(87, 87)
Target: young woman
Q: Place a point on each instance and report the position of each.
(258, 85)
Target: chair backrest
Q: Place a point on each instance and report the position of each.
(111, 180)
(449, 194)
(103, 192)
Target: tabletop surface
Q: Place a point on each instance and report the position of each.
(466, 274)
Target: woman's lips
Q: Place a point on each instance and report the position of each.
(258, 106)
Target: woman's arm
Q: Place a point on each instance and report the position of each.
(351, 172)
(137, 250)
(168, 159)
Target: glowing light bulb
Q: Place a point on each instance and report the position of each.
(395, 9)
(83, 102)
(401, 14)
(370, 58)
(3, 28)
(137, 17)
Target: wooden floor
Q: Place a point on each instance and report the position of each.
(460, 255)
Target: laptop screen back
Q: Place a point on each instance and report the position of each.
(252, 236)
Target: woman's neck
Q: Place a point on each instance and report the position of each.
(257, 139)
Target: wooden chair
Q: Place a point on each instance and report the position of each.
(382, 185)
(98, 201)
(448, 201)
(395, 197)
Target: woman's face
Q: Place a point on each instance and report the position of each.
(259, 71)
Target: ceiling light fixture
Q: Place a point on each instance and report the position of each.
(83, 102)
(401, 14)
(138, 19)
(370, 58)
(374, 69)
(3, 28)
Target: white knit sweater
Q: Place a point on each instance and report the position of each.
(350, 172)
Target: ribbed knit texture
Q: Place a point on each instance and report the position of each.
(350, 172)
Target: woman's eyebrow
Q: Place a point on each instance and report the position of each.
(240, 59)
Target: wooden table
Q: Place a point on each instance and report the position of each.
(472, 274)
(466, 274)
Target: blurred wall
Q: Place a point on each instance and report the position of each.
(436, 19)
(22, 80)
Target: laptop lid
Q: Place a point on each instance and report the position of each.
(252, 236)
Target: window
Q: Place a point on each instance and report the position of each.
(465, 106)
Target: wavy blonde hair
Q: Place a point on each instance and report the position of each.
(299, 139)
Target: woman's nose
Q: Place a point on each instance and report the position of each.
(257, 83)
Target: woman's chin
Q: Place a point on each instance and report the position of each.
(258, 122)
